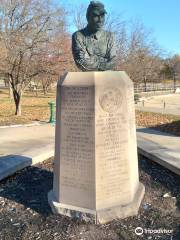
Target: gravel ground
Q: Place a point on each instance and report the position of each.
(25, 213)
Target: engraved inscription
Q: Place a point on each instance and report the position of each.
(112, 145)
(77, 144)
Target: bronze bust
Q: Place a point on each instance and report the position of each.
(94, 48)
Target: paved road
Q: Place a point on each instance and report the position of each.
(165, 104)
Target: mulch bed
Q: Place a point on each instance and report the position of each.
(25, 213)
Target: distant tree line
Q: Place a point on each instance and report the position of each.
(35, 45)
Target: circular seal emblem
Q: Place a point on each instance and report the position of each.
(111, 100)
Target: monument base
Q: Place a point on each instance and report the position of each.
(101, 216)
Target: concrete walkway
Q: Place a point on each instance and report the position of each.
(26, 145)
(160, 147)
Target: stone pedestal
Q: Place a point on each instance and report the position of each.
(96, 167)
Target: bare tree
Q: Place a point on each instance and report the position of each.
(79, 16)
(143, 58)
(171, 68)
(26, 29)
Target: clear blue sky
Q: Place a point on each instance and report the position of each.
(162, 16)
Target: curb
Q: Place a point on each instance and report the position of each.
(12, 163)
(159, 160)
(162, 152)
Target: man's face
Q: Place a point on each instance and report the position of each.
(96, 20)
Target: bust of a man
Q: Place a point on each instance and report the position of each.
(93, 48)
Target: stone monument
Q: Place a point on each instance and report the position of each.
(96, 167)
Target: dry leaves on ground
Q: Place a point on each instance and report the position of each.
(162, 122)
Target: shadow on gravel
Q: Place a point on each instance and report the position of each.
(163, 176)
(155, 130)
(29, 187)
(171, 128)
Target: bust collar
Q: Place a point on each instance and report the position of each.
(96, 35)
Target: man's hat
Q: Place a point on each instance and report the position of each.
(96, 6)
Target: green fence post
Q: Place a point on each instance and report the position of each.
(52, 112)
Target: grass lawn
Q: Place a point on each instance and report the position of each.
(34, 108)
